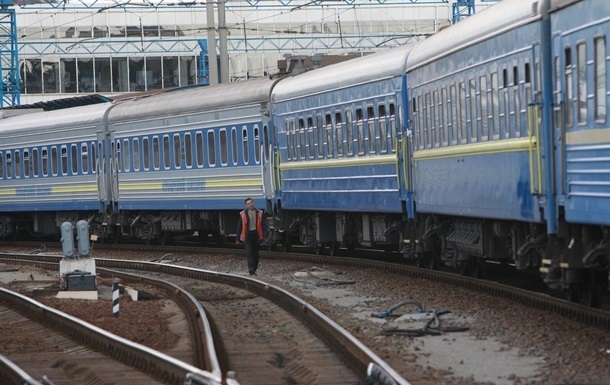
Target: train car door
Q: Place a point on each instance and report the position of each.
(102, 172)
(267, 161)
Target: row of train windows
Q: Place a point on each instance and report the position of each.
(184, 151)
(373, 134)
(54, 160)
(579, 66)
(473, 110)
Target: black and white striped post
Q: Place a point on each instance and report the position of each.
(115, 299)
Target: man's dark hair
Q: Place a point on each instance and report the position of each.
(247, 199)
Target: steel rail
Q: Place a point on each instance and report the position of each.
(13, 374)
(159, 365)
(355, 352)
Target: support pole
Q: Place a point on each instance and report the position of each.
(222, 42)
(115, 299)
(211, 27)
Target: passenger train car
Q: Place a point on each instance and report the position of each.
(337, 132)
(185, 161)
(50, 171)
(487, 141)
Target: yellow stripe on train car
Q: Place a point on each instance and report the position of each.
(492, 147)
(342, 162)
(591, 136)
(140, 186)
(73, 189)
(11, 191)
(233, 183)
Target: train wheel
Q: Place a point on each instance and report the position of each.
(286, 246)
(333, 249)
(270, 246)
(318, 248)
(474, 267)
(203, 238)
(165, 239)
(427, 261)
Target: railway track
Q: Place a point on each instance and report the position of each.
(69, 351)
(286, 353)
(366, 259)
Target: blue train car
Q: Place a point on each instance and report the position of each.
(480, 140)
(338, 133)
(184, 161)
(580, 32)
(50, 164)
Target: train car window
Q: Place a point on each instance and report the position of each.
(419, 141)
(472, 106)
(167, 158)
(156, 153)
(383, 129)
(453, 117)
(211, 149)
(320, 142)
(504, 102)
(9, 165)
(557, 91)
(484, 108)
(288, 140)
(257, 145)
(569, 97)
(17, 155)
(188, 150)
(517, 100)
(339, 130)
(146, 153)
(528, 83)
(426, 134)
(329, 136)
(360, 130)
(26, 164)
(84, 153)
(35, 160)
(45, 161)
(266, 142)
(393, 122)
(581, 73)
(136, 154)
(245, 144)
(199, 148)
(17, 164)
(116, 149)
(224, 147)
(54, 161)
(349, 131)
(463, 122)
(234, 145)
(442, 119)
(415, 122)
(177, 151)
(74, 159)
(310, 138)
(93, 159)
(294, 135)
(435, 111)
(1, 165)
(301, 139)
(126, 155)
(370, 122)
(600, 84)
(495, 106)
(64, 160)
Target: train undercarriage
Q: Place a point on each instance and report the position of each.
(575, 261)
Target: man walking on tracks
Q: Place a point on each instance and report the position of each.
(251, 231)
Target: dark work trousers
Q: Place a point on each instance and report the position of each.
(251, 246)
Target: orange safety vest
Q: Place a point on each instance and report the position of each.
(244, 225)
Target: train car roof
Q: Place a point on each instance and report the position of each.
(67, 117)
(494, 20)
(364, 69)
(191, 100)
